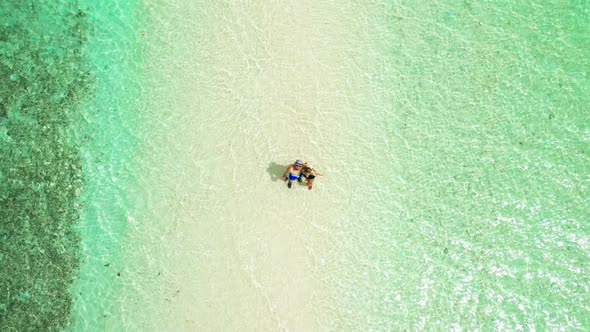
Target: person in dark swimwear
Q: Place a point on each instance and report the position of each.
(310, 173)
(293, 173)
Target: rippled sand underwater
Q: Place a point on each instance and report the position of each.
(142, 146)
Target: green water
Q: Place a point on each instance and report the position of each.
(44, 79)
(67, 123)
(468, 198)
(111, 119)
(479, 218)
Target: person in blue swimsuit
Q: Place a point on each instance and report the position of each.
(293, 173)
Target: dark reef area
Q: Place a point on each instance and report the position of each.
(44, 82)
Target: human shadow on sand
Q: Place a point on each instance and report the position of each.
(276, 171)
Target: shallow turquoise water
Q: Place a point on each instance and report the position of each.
(470, 198)
(67, 120)
(478, 217)
(111, 122)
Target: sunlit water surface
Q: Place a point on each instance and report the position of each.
(453, 138)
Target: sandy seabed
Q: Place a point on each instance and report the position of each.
(238, 92)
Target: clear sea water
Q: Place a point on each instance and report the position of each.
(454, 138)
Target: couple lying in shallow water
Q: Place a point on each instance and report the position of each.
(298, 170)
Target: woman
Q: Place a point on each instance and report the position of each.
(310, 173)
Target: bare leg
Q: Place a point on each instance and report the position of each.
(310, 183)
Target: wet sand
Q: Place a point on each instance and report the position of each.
(238, 93)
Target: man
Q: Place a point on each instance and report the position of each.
(293, 173)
